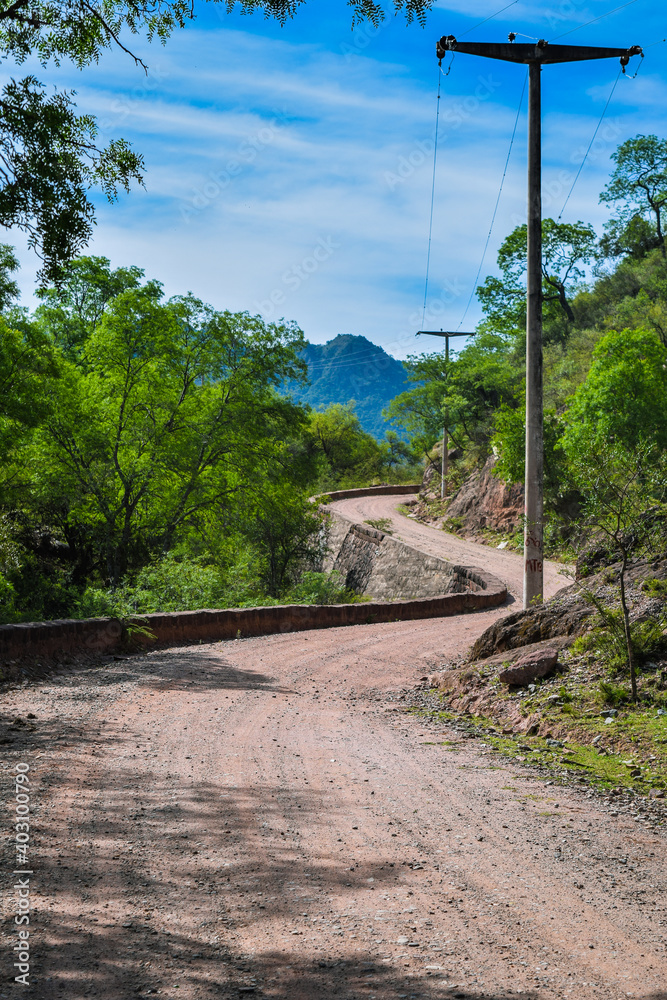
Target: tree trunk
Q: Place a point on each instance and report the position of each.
(626, 625)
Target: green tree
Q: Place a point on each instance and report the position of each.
(48, 161)
(27, 367)
(483, 377)
(348, 456)
(419, 410)
(468, 388)
(71, 312)
(638, 187)
(565, 248)
(286, 529)
(163, 424)
(395, 452)
(509, 442)
(624, 396)
(624, 492)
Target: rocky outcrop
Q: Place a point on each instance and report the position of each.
(566, 614)
(485, 501)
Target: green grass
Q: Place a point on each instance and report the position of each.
(634, 736)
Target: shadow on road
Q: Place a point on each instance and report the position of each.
(157, 890)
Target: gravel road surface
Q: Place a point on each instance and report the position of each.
(262, 818)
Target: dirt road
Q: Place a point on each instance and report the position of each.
(260, 818)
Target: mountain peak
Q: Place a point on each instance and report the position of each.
(351, 367)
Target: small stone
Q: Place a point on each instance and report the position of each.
(402, 940)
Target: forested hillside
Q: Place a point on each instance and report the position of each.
(151, 459)
(352, 368)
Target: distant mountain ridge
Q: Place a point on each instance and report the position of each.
(351, 367)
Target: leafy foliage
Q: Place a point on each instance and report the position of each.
(48, 155)
(48, 160)
(638, 188)
(619, 486)
(565, 248)
(629, 367)
(362, 10)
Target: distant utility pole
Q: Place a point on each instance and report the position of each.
(534, 55)
(445, 435)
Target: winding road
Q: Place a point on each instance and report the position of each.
(262, 818)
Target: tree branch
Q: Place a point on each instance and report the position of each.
(109, 30)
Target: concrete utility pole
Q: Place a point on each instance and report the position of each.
(534, 55)
(445, 444)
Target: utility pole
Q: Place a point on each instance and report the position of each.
(445, 435)
(535, 55)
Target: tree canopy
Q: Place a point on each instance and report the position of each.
(638, 190)
(565, 248)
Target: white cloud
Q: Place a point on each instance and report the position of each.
(234, 204)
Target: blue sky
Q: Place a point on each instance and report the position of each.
(289, 170)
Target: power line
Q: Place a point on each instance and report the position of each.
(489, 18)
(365, 357)
(495, 210)
(590, 145)
(435, 149)
(595, 19)
(435, 160)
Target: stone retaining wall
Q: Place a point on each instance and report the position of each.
(379, 561)
(374, 491)
(373, 563)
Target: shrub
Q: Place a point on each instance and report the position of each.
(321, 588)
(612, 694)
(656, 588)
(607, 637)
